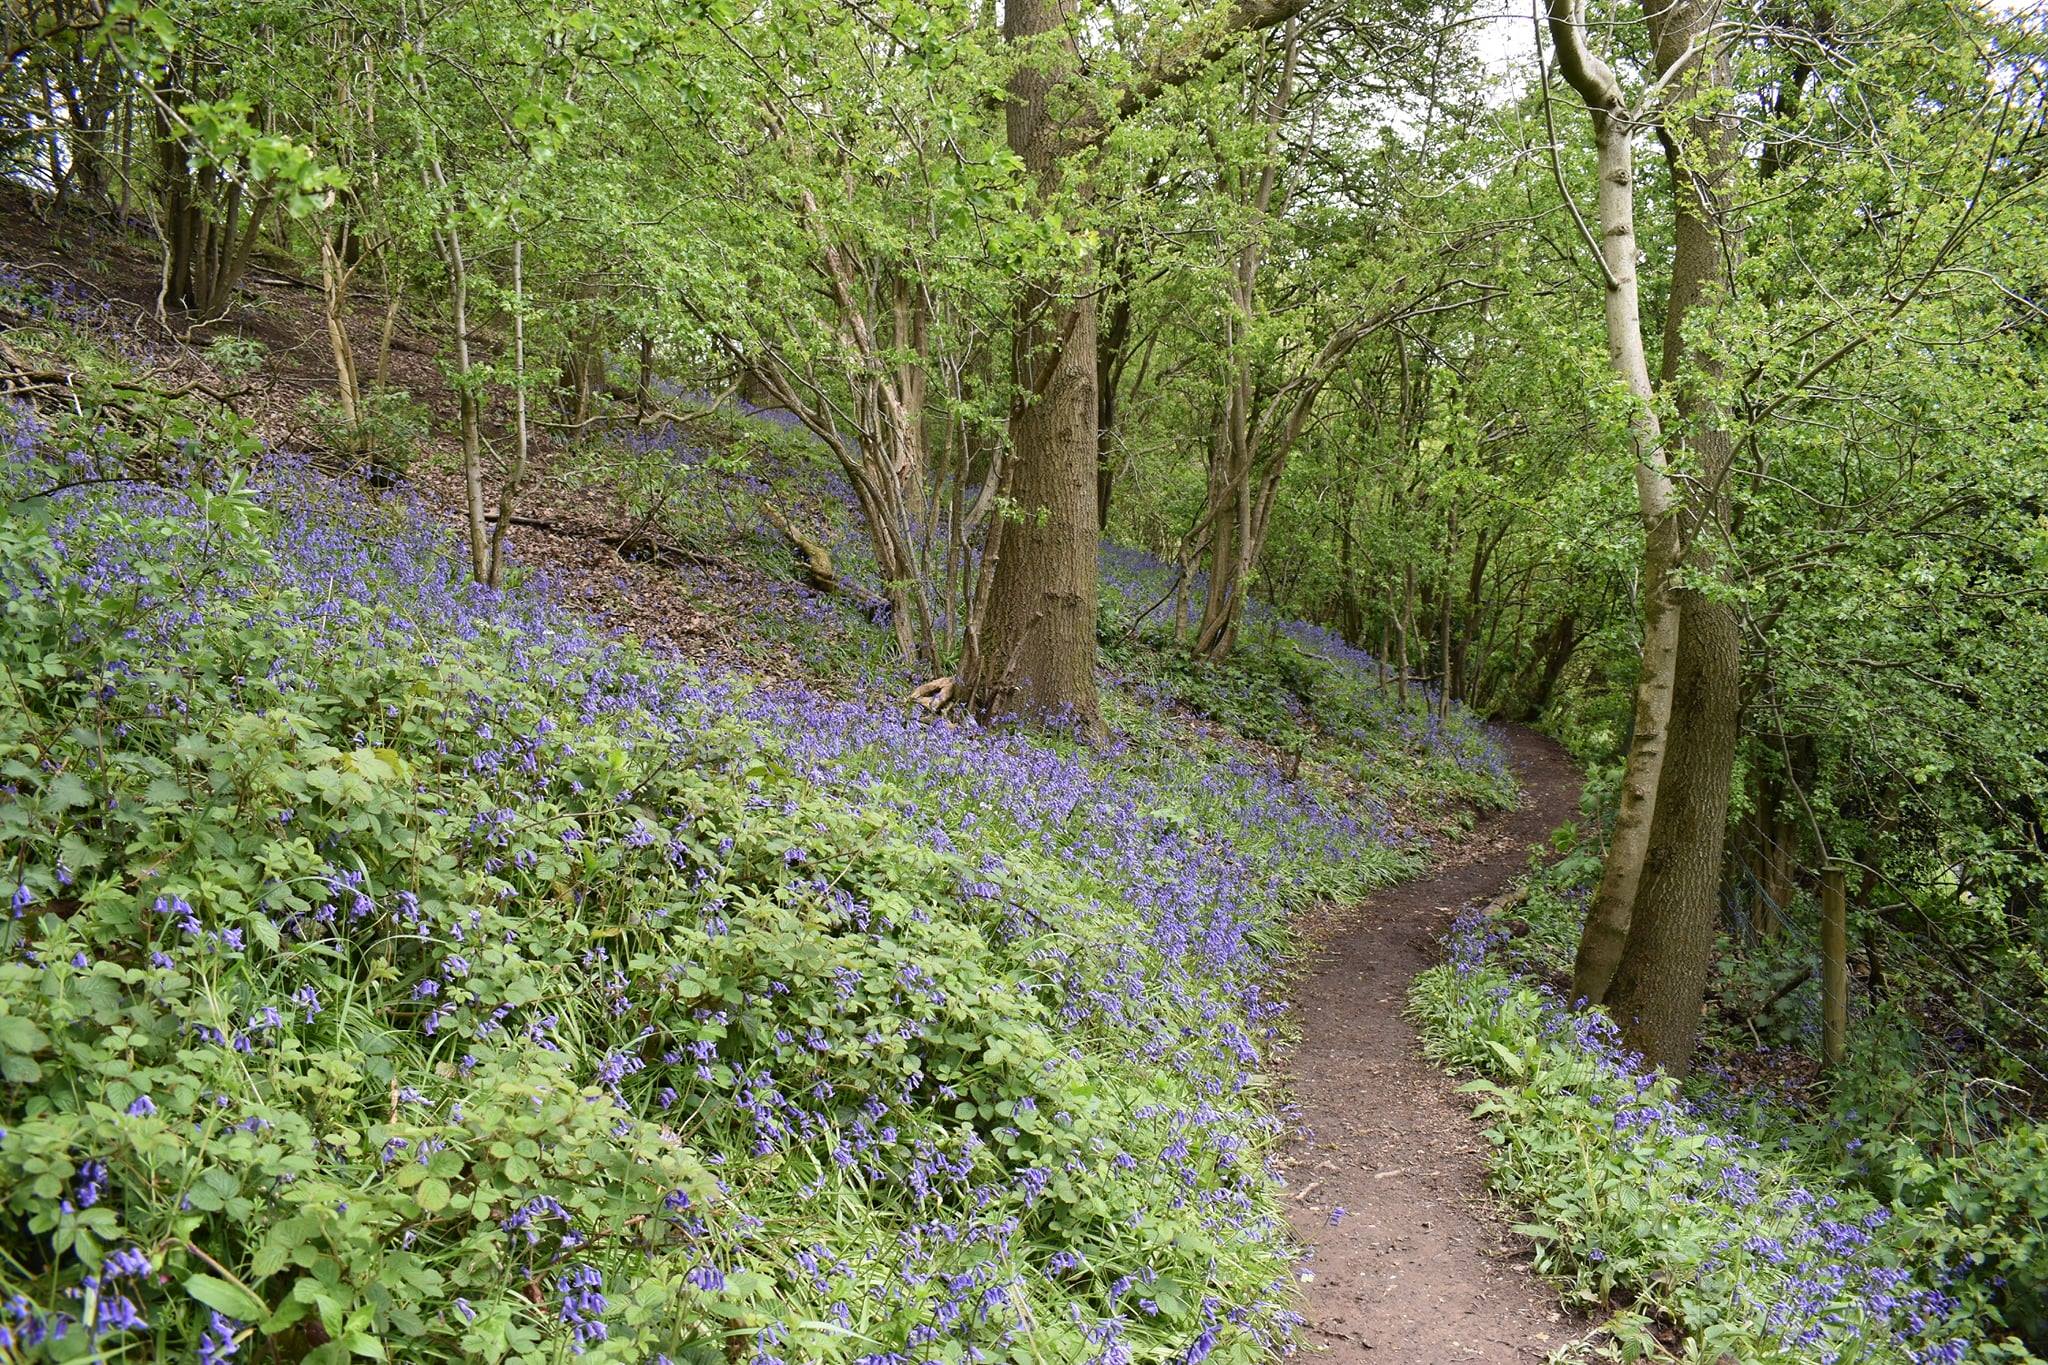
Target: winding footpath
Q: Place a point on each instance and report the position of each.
(1419, 1268)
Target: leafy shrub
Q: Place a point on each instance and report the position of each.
(237, 357)
(400, 970)
(388, 432)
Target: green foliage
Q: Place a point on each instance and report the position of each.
(237, 357)
(1329, 710)
(1642, 1205)
(390, 431)
(388, 961)
(1602, 1158)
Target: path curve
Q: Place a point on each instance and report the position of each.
(1420, 1270)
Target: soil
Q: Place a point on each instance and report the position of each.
(1420, 1269)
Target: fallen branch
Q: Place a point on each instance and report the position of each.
(1799, 979)
(817, 560)
(658, 549)
(936, 694)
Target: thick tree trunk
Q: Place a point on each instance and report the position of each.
(1038, 655)
(1661, 977)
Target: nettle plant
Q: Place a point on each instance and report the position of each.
(399, 969)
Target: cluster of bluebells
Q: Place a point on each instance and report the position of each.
(1367, 717)
(1047, 971)
(1792, 1263)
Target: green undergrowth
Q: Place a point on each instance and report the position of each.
(397, 970)
(1303, 691)
(1323, 705)
(1753, 1230)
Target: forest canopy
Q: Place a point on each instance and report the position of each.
(1668, 376)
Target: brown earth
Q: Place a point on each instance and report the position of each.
(1420, 1269)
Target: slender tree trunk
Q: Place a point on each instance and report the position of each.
(1607, 919)
(334, 297)
(1232, 557)
(643, 390)
(1404, 629)
(1448, 688)
(1779, 855)
(508, 488)
(1110, 350)
(469, 403)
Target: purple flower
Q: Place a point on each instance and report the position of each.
(218, 1344)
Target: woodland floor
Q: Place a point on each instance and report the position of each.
(1421, 1269)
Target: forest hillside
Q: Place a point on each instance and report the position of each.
(1035, 682)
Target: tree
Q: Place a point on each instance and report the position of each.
(1034, 653)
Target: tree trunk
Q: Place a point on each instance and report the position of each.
(643, 388)
(334, 277)
(1111, 347)
(509, 486)
(1238, 531)
(1038, 656)
(1663, 971)
(1661, 976)
(1556, 651)
(1607, 919)
(469, 402)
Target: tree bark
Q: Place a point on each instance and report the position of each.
(468, 401)
(1038, 659)
(1607, 919)
(1111, 348)
(1662, 975)
(1237, 525)
(509, 486)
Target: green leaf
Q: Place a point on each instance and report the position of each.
(19, 1035)
(67, 790)
(227, 1297)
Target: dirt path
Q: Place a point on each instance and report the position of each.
(1419, 1270)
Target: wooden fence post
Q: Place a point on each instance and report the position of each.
(1834, 966)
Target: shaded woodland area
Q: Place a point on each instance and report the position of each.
(1081, 481)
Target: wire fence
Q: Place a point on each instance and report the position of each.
(1745, 890)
